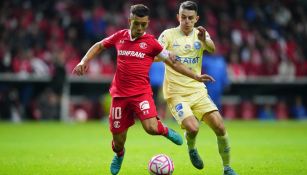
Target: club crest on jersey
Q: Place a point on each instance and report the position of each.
(143, 45)
(197, 45)
(121, 41)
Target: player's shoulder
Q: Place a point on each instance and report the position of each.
(123, 32)
(170, 31)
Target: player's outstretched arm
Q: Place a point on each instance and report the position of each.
(203, 35)
(82, 66)
(170, 60)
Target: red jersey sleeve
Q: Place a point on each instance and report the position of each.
(157, 48)
(111, 40)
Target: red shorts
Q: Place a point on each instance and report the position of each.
(124, 110)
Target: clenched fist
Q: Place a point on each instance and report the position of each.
(202, 33)
(81, 68)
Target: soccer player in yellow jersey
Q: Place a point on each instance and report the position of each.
(188, 99)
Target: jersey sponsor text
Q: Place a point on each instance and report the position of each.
(187, 60)
(131, 53)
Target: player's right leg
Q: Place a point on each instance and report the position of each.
(191, 125)
(154, 126)
(119, 150)
(119, 123)
(215, 121)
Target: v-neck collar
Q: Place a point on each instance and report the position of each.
(133, 39)
(183, 34)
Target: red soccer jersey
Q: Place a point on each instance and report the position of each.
(134, 58)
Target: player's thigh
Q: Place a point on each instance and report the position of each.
(144, 106)
(180, 109)
(202, 104)
(120, 117)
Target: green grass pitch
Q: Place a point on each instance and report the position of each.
(49, 148)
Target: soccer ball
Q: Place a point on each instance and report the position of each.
(160, 164)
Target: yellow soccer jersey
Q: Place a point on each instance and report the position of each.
(189, 50)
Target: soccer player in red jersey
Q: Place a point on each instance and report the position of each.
(130, 89)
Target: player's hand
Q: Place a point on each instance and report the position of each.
(202, 33)
(172, 57)
(204, 78)
(80, 69)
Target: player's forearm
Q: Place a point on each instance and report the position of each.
(92, 52)
(209, 44)
(181, 68)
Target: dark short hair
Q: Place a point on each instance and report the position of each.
(139, 10)
(189, 5)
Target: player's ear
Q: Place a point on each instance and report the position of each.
(178, 18)
(129, 21)
(197, 18)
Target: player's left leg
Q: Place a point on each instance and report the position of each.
(153, 126)
(180, 107)
(191, 125)
(215, 122)
(118, 144)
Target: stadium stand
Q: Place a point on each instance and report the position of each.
(261, 41)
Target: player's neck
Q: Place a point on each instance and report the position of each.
(185, 32)
(132, 38)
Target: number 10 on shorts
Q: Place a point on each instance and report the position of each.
(116, 113)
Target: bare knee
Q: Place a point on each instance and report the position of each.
(151, 126)
(216, 123)
(151, 129)
(192, 129)
(191, 125)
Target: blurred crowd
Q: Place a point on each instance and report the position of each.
(256, 38)
(265, 108)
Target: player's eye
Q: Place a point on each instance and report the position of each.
(191, 17)
(137, 24)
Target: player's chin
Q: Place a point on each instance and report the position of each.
(188, 28)
(139, 33)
